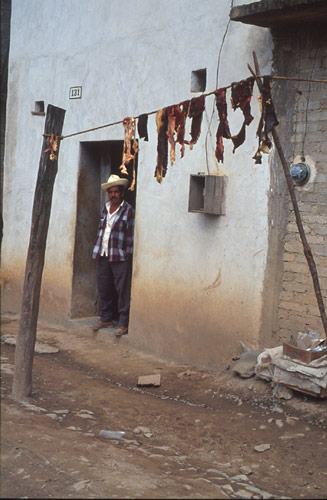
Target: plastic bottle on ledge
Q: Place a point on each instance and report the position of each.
(314, 336)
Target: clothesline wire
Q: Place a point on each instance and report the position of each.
(316, 80)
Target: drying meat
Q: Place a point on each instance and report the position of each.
(53, 147)
(268, 120)
(239, 138)
(241, 95)
(162, 147)
(142, 127)
(172, 112)
(129, 143)
(130, 148)
(177, 115)
(181, 114)
(196, 109)
(223, 127)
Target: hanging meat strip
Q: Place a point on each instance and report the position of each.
(268, 120)
(171, 111)
(181, 115)
(223, 127)
(130, 148)
(129, 135)
(241, 95)
(53, 147)
(196, 110)
(162, 147)
(142, 127)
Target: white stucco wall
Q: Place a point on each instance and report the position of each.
(133, 57)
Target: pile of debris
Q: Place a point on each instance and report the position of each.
(305, 347)
(300, 364)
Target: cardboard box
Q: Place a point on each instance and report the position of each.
(301, 354)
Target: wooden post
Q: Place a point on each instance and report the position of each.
(48, 167)
(306, 247)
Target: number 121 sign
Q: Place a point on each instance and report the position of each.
(75, 92)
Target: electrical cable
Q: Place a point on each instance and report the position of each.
(307, 107)
(217, 78)
(299, 52)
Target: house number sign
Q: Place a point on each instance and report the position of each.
(75, 92)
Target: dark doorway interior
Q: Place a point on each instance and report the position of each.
(98, 160)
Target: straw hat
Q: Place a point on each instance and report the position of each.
(114, 180)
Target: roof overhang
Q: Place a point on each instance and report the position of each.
(281, 14)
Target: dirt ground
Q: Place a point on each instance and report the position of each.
(194, 436)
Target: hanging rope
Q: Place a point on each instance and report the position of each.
(315, 80)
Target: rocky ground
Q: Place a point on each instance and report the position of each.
(199, 434)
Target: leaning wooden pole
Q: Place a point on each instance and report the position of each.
(306, 246)
(48, 167)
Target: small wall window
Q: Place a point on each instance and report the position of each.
(199, 80)
(38, 108)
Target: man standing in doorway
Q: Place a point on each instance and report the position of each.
(113, 253)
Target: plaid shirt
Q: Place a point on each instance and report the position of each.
(121, 236)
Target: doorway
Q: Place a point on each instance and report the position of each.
(97, 161)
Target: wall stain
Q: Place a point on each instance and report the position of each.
(215, 284)
(181, 323)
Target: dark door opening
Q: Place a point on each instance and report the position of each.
(98, 160)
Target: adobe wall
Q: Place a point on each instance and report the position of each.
(197, 278)
(303, 55)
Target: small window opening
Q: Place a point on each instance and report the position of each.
(207, 194)
(38, 108)
(199, 80)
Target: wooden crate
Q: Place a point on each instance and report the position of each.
(207, 194)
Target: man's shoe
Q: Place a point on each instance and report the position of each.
(121, 330)
(101, 324)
